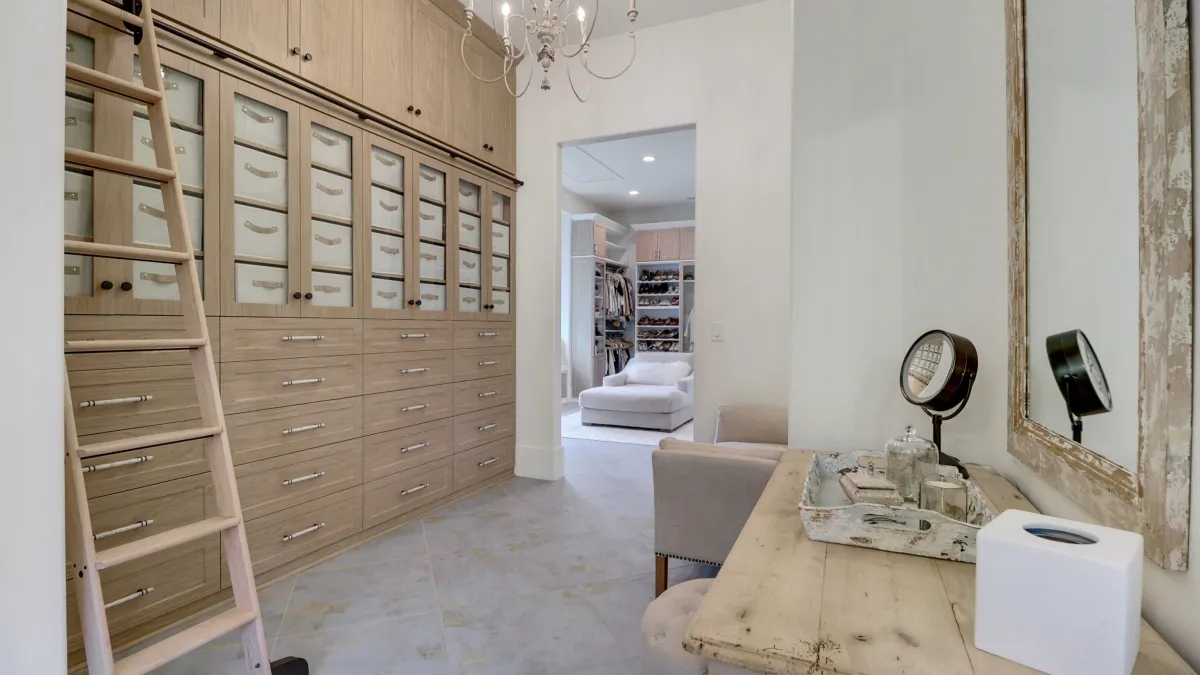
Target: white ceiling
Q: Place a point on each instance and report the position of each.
(612, 13)
(604, 172)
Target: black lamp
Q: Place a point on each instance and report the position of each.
(937, 376)
(1079, 377)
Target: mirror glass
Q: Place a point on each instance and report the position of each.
(928, 367)
(1083, 210)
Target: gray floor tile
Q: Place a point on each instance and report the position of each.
(404, 542)
(484, 500)
(412, 646)
(325, 600)
(620, 603)
(631, 666)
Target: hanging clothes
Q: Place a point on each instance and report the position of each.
(618, 353)
(618, 295)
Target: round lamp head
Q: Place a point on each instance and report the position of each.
(1078, 374)
(938, 371)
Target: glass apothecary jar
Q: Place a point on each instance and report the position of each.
(911, 460)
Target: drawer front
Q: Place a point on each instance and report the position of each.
(77, 205)
(500, 239)
(404, 336)
(263, 434)
(399, 409)
(283, 482)
(247, 339)
(331, 195)
(138, 468)
(468, 197)
(405, 370)
(331, 148)
(128, 398)
(260, 285)
(387, 168)
(189, 151)
(394, 451)
(468, 267)
(77, 125)
(331, 245)
(282, 537)
(475, 429)
(259, 123)
(150, 218)
(387, 254)
(433, 261)
(470, 299)
(158, 281)
(387, 294)
(499, 272)
(260, 176)
(260, 233)
(257, 385)
(387, 209)
(468, 231)
(185, 97)
(433, 183)
(433, 220)
(390, 497)
(468, 335)
(332, 290)
(80, 327)
(482, 394)
(484, 462)
(476, 364)
(433, 297)
(150, 510)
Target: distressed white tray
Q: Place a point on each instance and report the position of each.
(830, 516)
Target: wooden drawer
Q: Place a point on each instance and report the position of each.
(112, 400)
(256, 385)
(163, 507)
(250, 339)
(477, 428)
(282, 482)
(282, 537)
(400, 450)
(405, 370)
(402, 492)
(80, 327)
(149, 466)
(470, 334)
(263, 434)
(484, 462)
(476, 364)
(481, 394)
(406, 336)
(178, 576)
(398, 409)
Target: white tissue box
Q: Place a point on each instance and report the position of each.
(1061, 608)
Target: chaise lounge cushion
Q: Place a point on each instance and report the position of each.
(638, 398)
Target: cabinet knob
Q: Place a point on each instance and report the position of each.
(126, 286)
(411, 109)
(412, 302)
(296, 295)
(418, 112)
(418, 303)
(295, 51)
(106, 285)
(308, 296)
(308, 56)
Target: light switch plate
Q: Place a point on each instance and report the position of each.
(717, 332)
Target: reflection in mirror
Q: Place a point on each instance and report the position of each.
(1083, 209)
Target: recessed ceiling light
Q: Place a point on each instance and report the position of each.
(649, 158)
(633, 192)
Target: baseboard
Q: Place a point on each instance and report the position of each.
(541, 463)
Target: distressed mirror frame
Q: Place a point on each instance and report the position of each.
(1156, 500)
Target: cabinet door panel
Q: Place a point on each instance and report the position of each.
(268, 29)
(499, 261)
(386, 248)
(331, 218)
(331, 32)
(668, 244)
(500, 120)
(388, 39)
(466, 95)
(431, 69)
(431, 237)
(202, 14)
(647, 246)
(687, 243)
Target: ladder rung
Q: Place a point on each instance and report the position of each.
(143, 442)
(126, 252)
(85, 346)
(162, 653)
(163, 541)
(110, 10)
(91, 160)
(113, 85)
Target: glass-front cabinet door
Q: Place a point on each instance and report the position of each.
(500, 254)
(384, 246)
(431, 277)
(330, 152)
(471, 250)
(260, 150)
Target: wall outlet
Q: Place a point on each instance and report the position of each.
(716, 332)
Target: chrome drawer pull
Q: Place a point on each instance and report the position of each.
(307, 427)
(469, 265)
(428, 176)
(488, 461)
(328, 289)
(488, 363)
(115, 401)
(406, 371)
(410, 448)
(427, 216)
(327, 241)
(71, 121)
(302, 338)
(259, 229)
(260, 173)
(72, 270)
(415, 336)
(488, 427)
(387, 295)
(388, 207)
(122, 530)
(113, 465)
(261, 119)
(488, 393)
(314, 380)
(301, 479)
(158, 278)
(468, 226)
(150, 210)
(267, 284)
(71, 196)
(489, 335)
(409, 491)
(428, 256)
(326, 140)
(384, 160)
(141, 592)
(332, 192)
(390, 250)
(301, 533)
(415, 407)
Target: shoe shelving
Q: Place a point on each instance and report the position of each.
(664, 303)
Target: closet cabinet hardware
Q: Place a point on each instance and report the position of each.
(390, 208)
(260, 173)
(428, 216)
(258, 283)
(332, 192)
(412, 408)
(308, 56)
(115, 401)
(487, 427)
(259, 229)
(302, 338)
(301, 533)
(72, 196)
(128, 286)
(122, 530)
(411, 109)
(410, 448)
(418, 488)
(307, 427)
(106, 285)
(295, 51)
(419, 303)
(73, 270)
(486, 462)
(151, 211)
(418, 112)
(296, 295)
(331, 142)
(470, 265)
(386, 295)
(412, 302)
(326, 240)
(301, 479)
(386, 161)
(489, 334)
(487, 394)
(114, 465)
(313, 380)
(390, 250)
(413, 336)
(139, 593)
(261, 119)
(308, 296)
(165, 279)
(409, 371)
(488, 363)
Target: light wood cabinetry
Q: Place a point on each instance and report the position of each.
(202, 14)
(268, 29)
(467, 94)
(388, 43)
(499, 122)
(647, 245)
(332, 45)
(501, 273)
(666, 245)
(687, 243)
(432, 36)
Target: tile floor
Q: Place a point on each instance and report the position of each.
(525, 578)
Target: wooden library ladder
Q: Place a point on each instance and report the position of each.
(87, 564)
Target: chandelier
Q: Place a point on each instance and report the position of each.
(546, 36)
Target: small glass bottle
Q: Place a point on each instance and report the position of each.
(911, 460)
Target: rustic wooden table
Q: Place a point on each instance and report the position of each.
(785, 604)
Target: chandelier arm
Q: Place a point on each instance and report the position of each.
(572, 81)
(624, 70)
(508, 85)
(586, 40)
(463, 53)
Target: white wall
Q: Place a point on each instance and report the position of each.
(33, 611)
(900, 221)
(737, 95)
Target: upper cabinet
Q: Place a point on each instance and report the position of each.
(499, 124)
(433, 33)
(202, 14)
(388, 39)
(268, 29)
(687, 243)
(671, 244)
